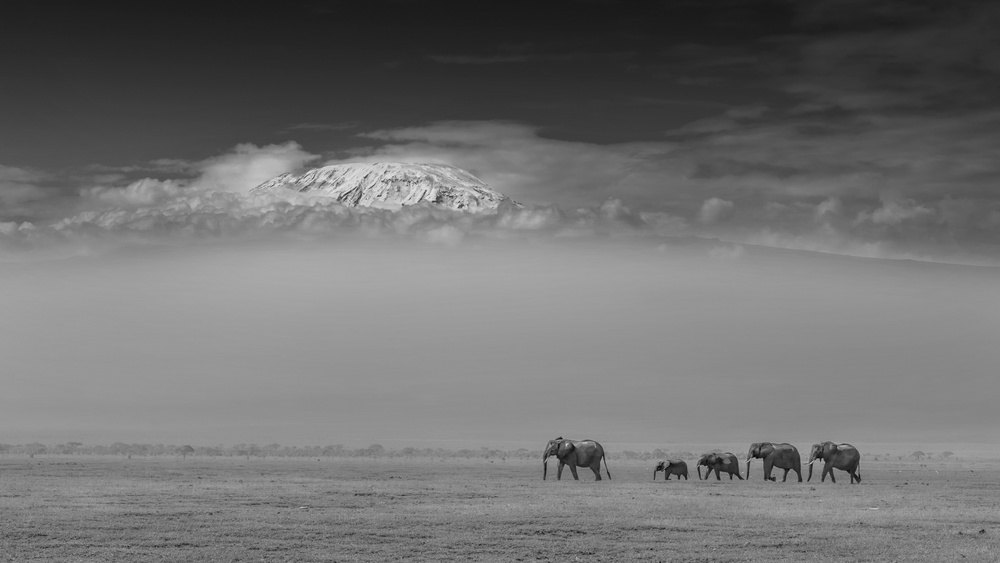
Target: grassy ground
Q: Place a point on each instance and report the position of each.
(279, 510)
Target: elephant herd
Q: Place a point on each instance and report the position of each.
(589, 453)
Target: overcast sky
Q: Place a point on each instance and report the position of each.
(726, 203)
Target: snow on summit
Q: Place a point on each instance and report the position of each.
(392, 185)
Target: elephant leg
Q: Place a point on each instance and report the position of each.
(666, 475)
(572, 469)
(717, 477)
(767, 470)
(738, 476)
(597, 471)
(559, 472)
(785, 477)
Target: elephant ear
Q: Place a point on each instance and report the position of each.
(565, 448)
(830, 449)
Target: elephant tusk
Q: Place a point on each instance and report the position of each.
(812, 462)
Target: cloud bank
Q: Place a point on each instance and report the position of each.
(637, 190)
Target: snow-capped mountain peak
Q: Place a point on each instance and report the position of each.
(392, 185)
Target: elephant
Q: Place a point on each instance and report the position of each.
(836, 456)
(718, 461)
(672, 467)
(782, 456)
(575, 453)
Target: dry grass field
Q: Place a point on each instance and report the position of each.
(95, 508)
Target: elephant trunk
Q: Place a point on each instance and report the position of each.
(699, 471)
(654, 474)
(748, 469)
(545, 468)
(810, 464)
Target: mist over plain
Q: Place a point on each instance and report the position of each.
(651, 340)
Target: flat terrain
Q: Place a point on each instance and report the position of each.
(94, 508)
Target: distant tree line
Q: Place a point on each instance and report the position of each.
(372, 451)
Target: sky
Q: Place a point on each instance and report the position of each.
(726, 205)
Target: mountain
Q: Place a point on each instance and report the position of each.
(392, 185)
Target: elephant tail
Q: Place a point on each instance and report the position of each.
(605, 458)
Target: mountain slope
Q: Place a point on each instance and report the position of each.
(392, 185)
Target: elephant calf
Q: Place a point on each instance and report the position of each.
(672, 467)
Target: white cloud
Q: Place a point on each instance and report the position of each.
(828, 207)
(144, 192)
(715, 210)
(239, 170)
(11, 228)
(248, 166)
(895, 211)
(531, 218)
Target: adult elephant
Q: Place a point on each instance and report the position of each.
(782, 456)
(575, 453)
(844, 457)
(670, 467)
(720, 462)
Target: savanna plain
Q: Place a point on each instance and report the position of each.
(110, 508)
